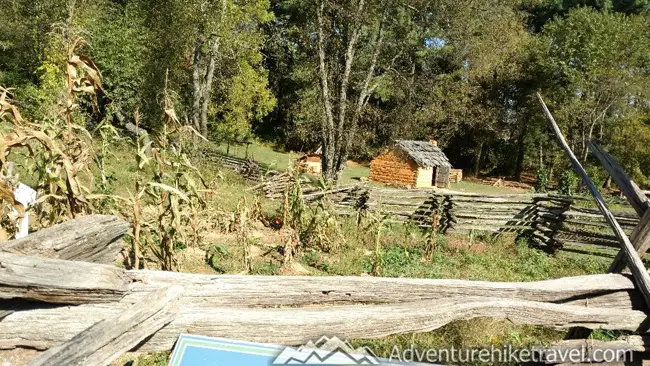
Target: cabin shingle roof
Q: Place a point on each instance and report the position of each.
(423, 153)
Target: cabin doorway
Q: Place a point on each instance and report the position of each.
(434, 176)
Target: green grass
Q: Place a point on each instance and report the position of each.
(351, 174)
(279, 160)
(486, 257)
(136, 359)
(470, 187)
(263, 154)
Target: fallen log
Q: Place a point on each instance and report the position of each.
(49, 327)
(59, 281)
(106, 340)
(93, 238)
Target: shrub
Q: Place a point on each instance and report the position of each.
(542, 180)
(567, 183)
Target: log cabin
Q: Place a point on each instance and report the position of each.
(419, 164)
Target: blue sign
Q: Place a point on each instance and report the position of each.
(191, 350)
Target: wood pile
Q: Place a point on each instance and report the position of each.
(275, 185)
(456, 176)
(80, 311)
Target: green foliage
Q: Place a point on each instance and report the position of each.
(266, 269)
(315, 226)
(567, 183)
(461, 72)
(542, 180)
(121, 43)
(216, 256)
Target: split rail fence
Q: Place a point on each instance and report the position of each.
(62, 294)
(550, 221)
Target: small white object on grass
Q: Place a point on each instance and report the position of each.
(26, 196)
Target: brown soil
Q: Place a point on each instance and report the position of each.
(462, 244)
(294, 269)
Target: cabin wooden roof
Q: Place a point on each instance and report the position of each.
(424, 153)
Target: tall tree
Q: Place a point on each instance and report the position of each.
(354, 47)
(597, 78)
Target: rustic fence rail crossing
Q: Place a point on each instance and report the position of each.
(548, 220)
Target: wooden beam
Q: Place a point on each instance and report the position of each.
(64, 281)
(5, 313)
(635, 196)
(93, 238)
(275, 291)
(641, 277)
(47, 328)
(640, 237)
(59, 281)
(106, 340)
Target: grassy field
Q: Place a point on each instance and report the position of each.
(278, 160)
(263, 154)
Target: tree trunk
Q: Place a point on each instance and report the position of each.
(327, 125)
(479, 153)
(364, 94)
(196, 83)
(339, 144)
(207, 87)
(608, 182)
(202, 76)
(521, 154)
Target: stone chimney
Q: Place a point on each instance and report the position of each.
(433, 142)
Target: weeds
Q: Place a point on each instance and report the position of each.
(542, 180)
(377, 224)
(312, 226)
(242, 222)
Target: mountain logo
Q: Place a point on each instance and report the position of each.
(326, 351)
